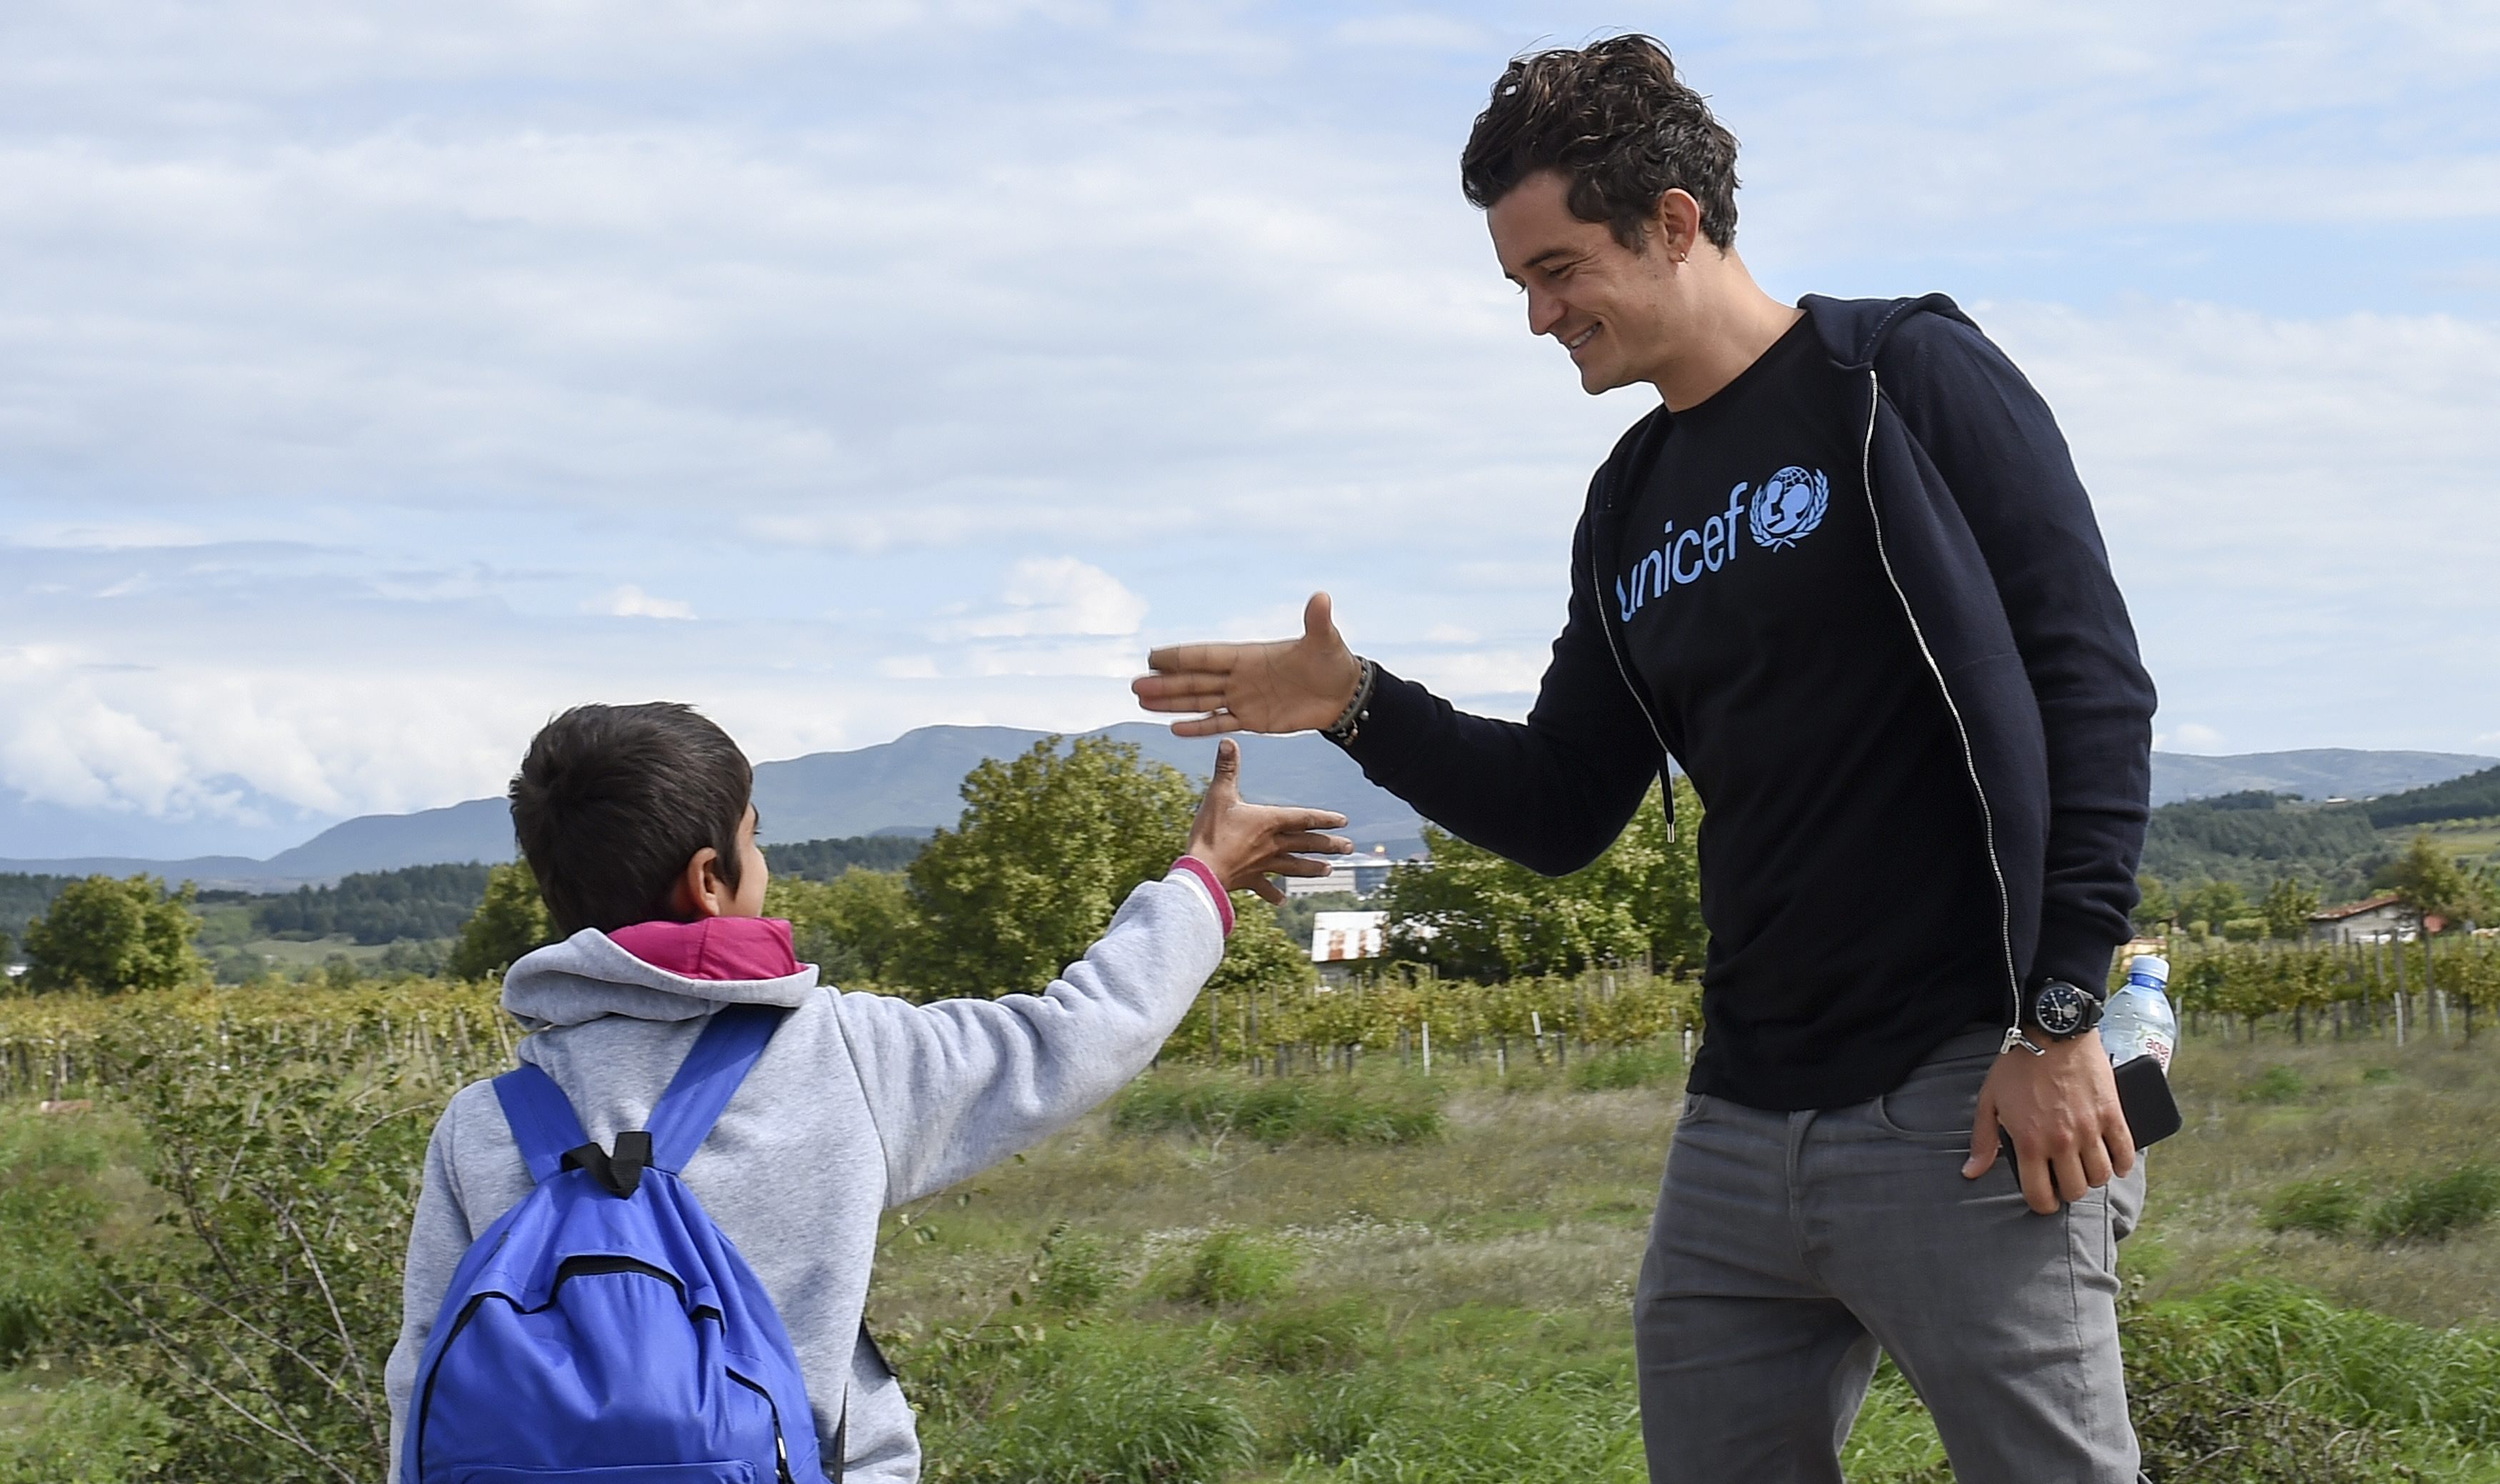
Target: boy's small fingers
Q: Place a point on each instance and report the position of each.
(1303, 843)
(1269, 891)
(1294, 865)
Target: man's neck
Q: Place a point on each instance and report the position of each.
(1735, 322)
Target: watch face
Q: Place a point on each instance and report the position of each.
(2059, 1008)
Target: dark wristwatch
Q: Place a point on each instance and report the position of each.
(2062, 1010)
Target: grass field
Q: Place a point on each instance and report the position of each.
(1371, 1279)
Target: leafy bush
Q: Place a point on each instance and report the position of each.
(2326, 1207)
(79, 1431)
(2275, 1084)
(48, 1205)
(1276, 1111)
(1627, 1067)
(1328, 1416)
(1307, 1339)
(1075, 1270)
(1579, 1425)
(2435, 1207)
(1234, 1266)
(1074, 1406)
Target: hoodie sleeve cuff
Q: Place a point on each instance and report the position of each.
(1203, 874)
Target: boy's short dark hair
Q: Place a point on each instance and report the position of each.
(612, 801)
(1619, 125)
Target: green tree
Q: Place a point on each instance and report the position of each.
(109, 935)
(1049, 844)
(2436, 884)
(1259, 954)
(855, 927)
(2155, 907)
(2213, 904)
(1477, 915)
(511, 921)
(2287, 910)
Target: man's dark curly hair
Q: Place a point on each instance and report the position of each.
(612, 801)
(1612, 119)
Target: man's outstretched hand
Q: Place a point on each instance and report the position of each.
(1243, 843)
(1289, 686)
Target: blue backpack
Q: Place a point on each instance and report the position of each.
(604, 1330)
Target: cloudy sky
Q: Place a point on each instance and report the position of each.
(376, 379)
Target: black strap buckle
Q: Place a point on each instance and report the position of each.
(622, 1174)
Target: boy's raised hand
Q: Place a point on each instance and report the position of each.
(1243, 843)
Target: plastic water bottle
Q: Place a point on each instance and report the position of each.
(2138, 1019)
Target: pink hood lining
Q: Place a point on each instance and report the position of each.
(715, 948)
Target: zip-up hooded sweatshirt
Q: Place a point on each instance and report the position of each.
(1989, 540)
(860, 1103)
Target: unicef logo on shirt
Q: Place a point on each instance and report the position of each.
(1788, 506)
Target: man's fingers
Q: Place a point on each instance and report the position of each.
(2117, 1135)
(1983, 1138)
(1318, 617)
(1171, 685)
(2071, 1182)
(1207, 726)
(2039, 1188)
(1178, 696)
(1213, 659)
(2096, 1163)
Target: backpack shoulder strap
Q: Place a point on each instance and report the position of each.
(543, 1120)
(722, 1056)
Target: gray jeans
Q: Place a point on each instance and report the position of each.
(1788, 1247)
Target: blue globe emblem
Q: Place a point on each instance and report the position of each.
(1790, 505)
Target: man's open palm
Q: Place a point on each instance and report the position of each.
(1288, 685)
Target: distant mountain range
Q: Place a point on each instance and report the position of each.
(2315, 774)
(910, 785)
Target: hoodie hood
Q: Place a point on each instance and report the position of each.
(1853, 330)
(658, 971)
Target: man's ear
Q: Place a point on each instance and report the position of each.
(701, 892)
(1676, 225)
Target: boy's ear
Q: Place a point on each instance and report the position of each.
(701, 892)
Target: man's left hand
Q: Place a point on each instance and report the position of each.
(2061, 1110)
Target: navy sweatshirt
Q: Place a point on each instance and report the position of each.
(2000, 571)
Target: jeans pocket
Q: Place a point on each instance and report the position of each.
(1937, 1107)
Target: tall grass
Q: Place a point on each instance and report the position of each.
(1278, 1110)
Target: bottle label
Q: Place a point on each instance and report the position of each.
(2159, 1047)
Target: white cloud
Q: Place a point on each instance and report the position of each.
(2188, 737)
(352, 351)
(631, 602)
(1056, 595)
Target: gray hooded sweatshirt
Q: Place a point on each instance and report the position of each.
(861, 1102)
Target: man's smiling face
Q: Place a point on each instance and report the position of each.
(1612, 308)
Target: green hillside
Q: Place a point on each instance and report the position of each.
(2475, 796)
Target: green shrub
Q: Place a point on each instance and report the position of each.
(2434, 1206)
(1111, 1405)
(49, 1204)
(1324, 1418)
(1578, 1426)
(1307, 1339)
(2260, 1361)
(1075, 1272)
(76, 1431)
(1627, 1067)
(1277, 1111)
(2326, 1207)
(1234, 1266)
(2275, 1084)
